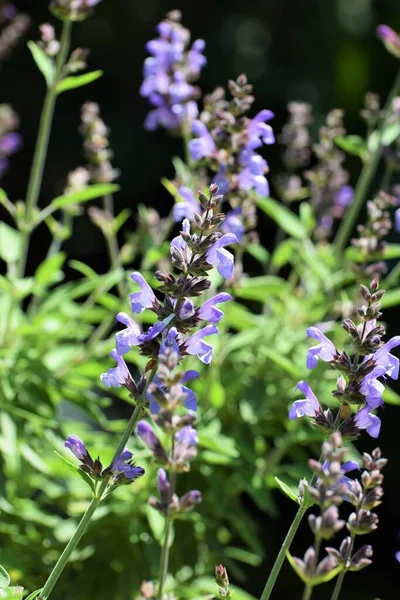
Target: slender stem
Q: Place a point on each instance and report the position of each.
(84, 522)
(167, 532)
(367, 173)
(282, 553)
(113, 248)
(42, 143)
(339, 581)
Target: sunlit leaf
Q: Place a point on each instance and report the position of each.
(284, 217)
(43, 62)
(75, 81)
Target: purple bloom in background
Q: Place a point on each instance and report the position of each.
(146, 433)
(219, 257)
(383, 358)
(188, 208)
(163, 486)
(123, 466)
(196, 345)
(209, 311)
(10, 141)
(187, 436)
(258, 131)
(222, 181)
(397, 556)
(309, 406)
(76, 446)
(233, 224)
(203, 145)
(366, 420)
(143, 299)
(372, 388)
(397, 220)
(169, 73)
(117, 376)
(325, 350)
(190, 499)
(390, 38)
(252, 175)
(343, 196)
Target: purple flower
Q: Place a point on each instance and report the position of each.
(179, 244)
(190, 397)
(196, 345)
(372, 388)
(397, 220)
(117, 376)
(325, 350)
(190, 499)
(170, 343)
(366, 420)
(187, 436)
(146, 433)
(383, 358)
(188, 208)
(390, 38)
(222, 181)
(209, 311)
(309, 406)
(163, 486)
(252, 175)
(343, 196)
(128, 337)
(143, 299)
(187, 309)
(258, 131)
(157, 389)
(397, 556)
(203, 145)
(233, 223)
(123, 466)
(219, 257)
(10, 143)
(76, 446)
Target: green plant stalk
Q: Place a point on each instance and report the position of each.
(113, 248)
(84, 522)
(167, 533)
(282, 553)
(342, 574)
(367, 173)
(42, 143)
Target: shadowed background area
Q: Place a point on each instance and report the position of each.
(325, 53)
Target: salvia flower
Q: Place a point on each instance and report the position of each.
(366, 420)
(146, 433)
(124, 467)
(309, 406)
(390, 38)
(169, 74)
(196, 345)
(325, 350)
(188, 207)
(143, 299)
(118, 376)
(219, 257)
(10, 140)
(77, 447)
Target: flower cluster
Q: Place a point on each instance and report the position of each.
(329, 191)
(390, 38)
(10, 141)
(72, 10)
(96, 144)
(169, 74)
(15, 28)
(359, 383)
(331, 489)
(226, 141)
(121, 471)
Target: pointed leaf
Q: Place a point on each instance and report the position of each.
(77, 471)
(89, 193)
(43, 62)
(284, 217)
(10, 243)
(4, 578)
(287, 490)
(75, 81)
(352, 144)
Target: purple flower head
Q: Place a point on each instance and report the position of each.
(188, 208)
(170, 344)
(10, 143)
(209, 311)
(179, 244)
(123, 466)
(163, 486)
(258, 131)
(309, 406)
(343, 196)
(190, 499)
(372, 388)
(187, 436)
(157, 389)
(203, 145)
(325, 350)
(196, 345)
(222, 181)
(366, 420)
(252, 175)
(143, 299)
(390, 38)
(76, 446)
(146, 433)
(131, 336)
(119, 375)
(383, 358)
(195, 59)
(219, 257)
(233, 223)
(190, 397)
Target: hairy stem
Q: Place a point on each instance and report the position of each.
(367, 173)
(84, 522)
(42, 143)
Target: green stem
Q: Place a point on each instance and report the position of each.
(84, 522)
(167, 532)
(42, 143)
(342, 574)
(113, 248)
(367, 173)
(282, 553)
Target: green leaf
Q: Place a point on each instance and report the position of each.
(244, 556)
(390, 135)
(283, 253)
(288, 491)
(89, 193)
(10, 243)
(259, 253)
(76, 471)
(12, 593)
(391, 298)
(43, 62)
(357, 255)
(259, 288)
(4, 578)
(75, 81)
(284, 217)
(34, 594)
(49, 270)
(352, 144)
(390, 397)
(3, 195)
(307, 216)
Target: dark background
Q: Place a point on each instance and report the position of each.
(321, 51)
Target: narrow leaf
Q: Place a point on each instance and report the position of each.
(10, 243)
(89, 193)
(284, 217)
(43, 62)
(287, 490)
(4, 578)
(352, 144)
(76, 471)
(75, 81)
